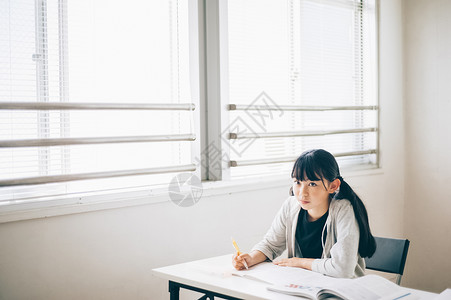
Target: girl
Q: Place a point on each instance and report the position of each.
(324, 230)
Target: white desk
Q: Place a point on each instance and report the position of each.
(213, 277)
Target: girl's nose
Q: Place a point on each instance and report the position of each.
(303, 191)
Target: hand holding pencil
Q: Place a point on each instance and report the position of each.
(239, 260)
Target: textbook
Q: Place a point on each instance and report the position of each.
(369, 287)
(313, 285)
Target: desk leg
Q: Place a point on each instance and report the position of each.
(174, 290)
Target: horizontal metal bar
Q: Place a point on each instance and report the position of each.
(95, 140)
(298, 107)
(96, 175)
(234, 136)
(94, 106)
(251, 162)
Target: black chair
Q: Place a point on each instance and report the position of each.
(390, 256)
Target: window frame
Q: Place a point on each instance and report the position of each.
(216, 37)
(208, 55)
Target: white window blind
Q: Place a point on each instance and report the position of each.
(94, 53)
(314, 63)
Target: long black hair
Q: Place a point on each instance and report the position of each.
(318, 164)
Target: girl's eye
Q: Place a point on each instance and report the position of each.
(297, 182)
(312, 184)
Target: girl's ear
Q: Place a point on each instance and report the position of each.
(334, 185)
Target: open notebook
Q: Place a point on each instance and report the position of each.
(273, 274)
(312, 285)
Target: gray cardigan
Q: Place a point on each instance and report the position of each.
(340, 256)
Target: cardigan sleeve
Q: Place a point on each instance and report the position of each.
(274, 241)
(344, 253)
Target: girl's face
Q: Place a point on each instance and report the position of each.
(313, 194)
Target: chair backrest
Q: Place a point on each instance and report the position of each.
(390, 256)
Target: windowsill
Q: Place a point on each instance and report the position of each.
(108, 200)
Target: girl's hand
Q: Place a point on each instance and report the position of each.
(305, 263)
(237, 261)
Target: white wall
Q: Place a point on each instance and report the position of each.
(427, 59)
(109, 254)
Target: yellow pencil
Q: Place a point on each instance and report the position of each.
(238, 252)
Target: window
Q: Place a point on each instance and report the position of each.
(302, 75)
(126, 71)
(98, 96)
